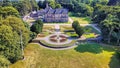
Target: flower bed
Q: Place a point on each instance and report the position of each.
(53, 40)
(63, 40)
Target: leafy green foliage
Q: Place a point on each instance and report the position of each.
(8, 11)
(117, 36)
(78, 29)
(34, 5)
(9, 43)
(25, 6)
(17, 25)
(53, 4)
(114, 2)
(37, 27)
(81, 7)
(4, 63)
(75, 24)
(6, 3)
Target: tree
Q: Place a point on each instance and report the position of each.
(24, 7)
(9, 43)
(34, 5)
(114, 2)
(78, 29)
(37, 27)
(4, 63)
(58, 6)
(54, 5)
(6, 3)
(18, 25)
(8, 11)
(75, 24)
(42, 4)
(110, 23)
(83, 9)
(117, 36)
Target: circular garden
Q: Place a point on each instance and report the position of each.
(57, 41)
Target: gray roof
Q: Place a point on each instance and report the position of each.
(49, 10)
(64, 11)
(58, 11)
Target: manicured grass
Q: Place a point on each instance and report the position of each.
(64, 28)
(78, 57)
(90, 35)
(71, 34)
(93, 48)
(82, 20)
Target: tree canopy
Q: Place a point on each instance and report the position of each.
(8, 11)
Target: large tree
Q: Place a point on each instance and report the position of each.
(34, 5)
(37, 27)
(25, 6)
(108, 19)
(4, 63)
(8, 11)
(9, 43)
(18, 25)
(6, 3)
(114, 2)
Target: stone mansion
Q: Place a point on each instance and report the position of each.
(51, 15)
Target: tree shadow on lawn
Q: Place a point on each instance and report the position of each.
(115, 61)
(72, 37)
(96, 49)
(87, 47)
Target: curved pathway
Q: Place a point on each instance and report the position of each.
(60, 43)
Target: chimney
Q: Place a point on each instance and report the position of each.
(47, 6)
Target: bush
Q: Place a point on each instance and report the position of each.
(75, 24)
(78, 29)
(37, 27)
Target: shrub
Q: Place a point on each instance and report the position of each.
(37, 27)
(75, 24)
(78, 29)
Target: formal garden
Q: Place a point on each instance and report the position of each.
(65, 36)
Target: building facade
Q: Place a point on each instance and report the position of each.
(51, 15)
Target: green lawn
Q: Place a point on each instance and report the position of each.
(82, 20)
(83, 56)
(90, 29)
